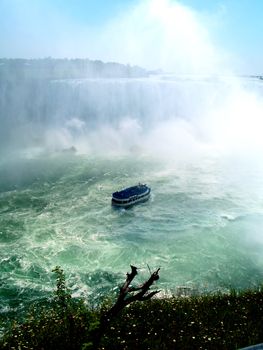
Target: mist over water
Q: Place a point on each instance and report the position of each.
(67, 144)
(157, 115)
(202, 225)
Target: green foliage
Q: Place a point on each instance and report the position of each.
(62, 293)
(65, 323)
(207, 322)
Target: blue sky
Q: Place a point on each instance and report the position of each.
(183, 35)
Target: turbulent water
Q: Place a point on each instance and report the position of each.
(203, 223)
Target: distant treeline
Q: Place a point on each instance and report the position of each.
(49, 68)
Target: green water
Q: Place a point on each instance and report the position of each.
(202, 225)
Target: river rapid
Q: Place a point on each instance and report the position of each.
(202, 225)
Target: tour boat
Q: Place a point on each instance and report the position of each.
(131, 195)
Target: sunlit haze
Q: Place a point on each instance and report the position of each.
(181, 36)
(100, 95)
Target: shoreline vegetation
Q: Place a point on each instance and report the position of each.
(219, 321)
(50, 68)
(37, 69)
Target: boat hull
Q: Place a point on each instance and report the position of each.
(129, 197)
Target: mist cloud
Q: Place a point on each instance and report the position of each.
(162, 116)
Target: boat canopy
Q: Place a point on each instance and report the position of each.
(130, 192)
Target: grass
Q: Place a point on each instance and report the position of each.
(202, 322)
(206, 322)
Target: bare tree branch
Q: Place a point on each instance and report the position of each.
(125, 299)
